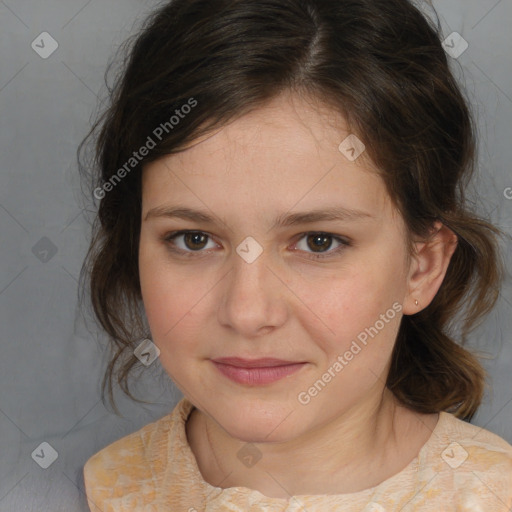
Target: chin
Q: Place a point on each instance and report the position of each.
(256, 422)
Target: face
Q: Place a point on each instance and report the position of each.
(246, 283)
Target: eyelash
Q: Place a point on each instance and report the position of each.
(168, 239)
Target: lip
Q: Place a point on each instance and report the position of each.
(263, 362)
(256, 372)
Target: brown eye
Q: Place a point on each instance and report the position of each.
(195, 240)
(192, 242)
(319, 241)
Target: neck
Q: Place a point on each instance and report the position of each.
(357, 450)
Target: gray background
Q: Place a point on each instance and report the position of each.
(51, 361)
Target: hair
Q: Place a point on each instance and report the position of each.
(381, 65)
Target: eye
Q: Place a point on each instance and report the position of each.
(319, 241)
(194, 241)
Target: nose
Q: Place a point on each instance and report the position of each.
(253, 299)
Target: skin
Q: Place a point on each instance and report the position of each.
(280, 159)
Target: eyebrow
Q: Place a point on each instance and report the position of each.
(336, 213)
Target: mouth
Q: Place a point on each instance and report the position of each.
(256, 372)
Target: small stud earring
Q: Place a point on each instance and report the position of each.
(416, 302)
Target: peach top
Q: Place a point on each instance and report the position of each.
(461, 468)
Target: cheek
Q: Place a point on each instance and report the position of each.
(173, 299)
(159, 293)
(166, 307)
(359, 310)
(168, 315)
(355, 300)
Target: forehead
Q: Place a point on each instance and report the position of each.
(285, 126)
(283, 154)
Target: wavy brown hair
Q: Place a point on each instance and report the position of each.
(381, 65)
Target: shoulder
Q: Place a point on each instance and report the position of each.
(472, 461)
(483, 444)
(103, 465)
(131, 465)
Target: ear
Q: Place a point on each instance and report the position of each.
(428, 267)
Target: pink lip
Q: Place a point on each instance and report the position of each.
(256, 371)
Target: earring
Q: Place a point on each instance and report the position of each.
(416, 302)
